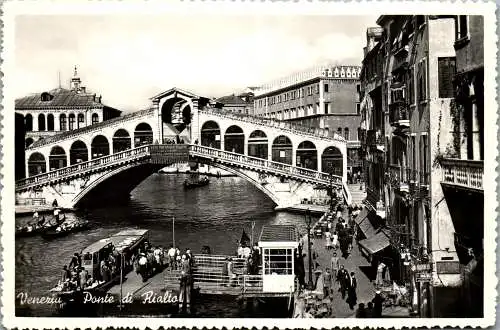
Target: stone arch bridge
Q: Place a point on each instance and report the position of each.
(107, 160)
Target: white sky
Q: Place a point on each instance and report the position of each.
(129, 59)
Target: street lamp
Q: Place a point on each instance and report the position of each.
(308, 223)
(330, 188)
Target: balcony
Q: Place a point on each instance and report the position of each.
(399, 177)
(463, 173)
(398, 114)
(374, 138)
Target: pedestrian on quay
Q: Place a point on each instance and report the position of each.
(369, 310)
(171, 257)
(328, 240)
(342, 276)
(65, 274)
(335, 241)
(327, 282)
(185, 285)
(377, 304)
(334, 264)
(380, 271)
(361, 311)
(351, 291)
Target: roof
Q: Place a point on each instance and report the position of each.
(120, 240)
(174, 90)
(131, 232)
(97, 246)
(278, 233)
(60, 98)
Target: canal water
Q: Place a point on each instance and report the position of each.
(213, 215)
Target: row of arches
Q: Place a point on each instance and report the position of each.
(281, 148)
(66, 122)
(99, 147)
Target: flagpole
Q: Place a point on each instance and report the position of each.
(173, 231)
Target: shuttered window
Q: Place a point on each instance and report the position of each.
(446, 72)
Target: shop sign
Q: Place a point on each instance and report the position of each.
(423, 277)
(422, 267)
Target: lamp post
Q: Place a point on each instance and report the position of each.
(308, 223)
(331, 191)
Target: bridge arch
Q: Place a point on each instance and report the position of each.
(143, 134)
(99, 146)
(332, 161)
(28, 122)
(36, 164)
(50, 122)
(57, 158)
(258, 144)
(121, 140)
(210, 134)
(234, 139)
(282, 150)
(307, 155)
(41, 122)
(78, 152)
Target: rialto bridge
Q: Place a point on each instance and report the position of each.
(107, 160)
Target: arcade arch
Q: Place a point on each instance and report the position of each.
(282, 150)
(28, 122)
(143, 134)
(50, 122)
(332, 161)
(121, 141)
(62, 122)
(258, 144)
(36, 164)
(41, 122)
(307, 155)
(78, 152)
(210, 134)
(99, 146)
(71, 121)
(57, 158)
(234, 140)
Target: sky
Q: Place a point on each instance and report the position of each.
(129, 59)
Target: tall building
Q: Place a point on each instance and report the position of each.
(48, 113)
(422, 122)
(323, 97)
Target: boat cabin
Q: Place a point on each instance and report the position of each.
(278, 245)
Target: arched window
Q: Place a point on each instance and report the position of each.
(62, 122)
(41, 122)
(339, 131)
(143, 135)
(50, 122)
(346, 133)
(81, 120)
(71, 120)
(28, 122)
(95, 118)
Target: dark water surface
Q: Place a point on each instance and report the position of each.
(213, 215)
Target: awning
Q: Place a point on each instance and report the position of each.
(364, 223)
(375, 243)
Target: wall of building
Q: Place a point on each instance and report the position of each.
(471, 56)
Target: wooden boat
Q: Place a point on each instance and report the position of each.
(63, 230)
(196, 183)
(125, 243)
(35, 229)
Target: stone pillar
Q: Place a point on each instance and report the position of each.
(320, 163)
(321, 109)
(476, 135)
(270, 150)
(35, 123)
(159, 127)
(57, 125)
(294, 156)
(462, 135)
(195, 122)
(245, 146)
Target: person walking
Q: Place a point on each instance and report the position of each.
(351, 291)
(328, 240)
(377, 304)
(185, 285)
(342, 279)
(327, 282)
(334, 264)
(380, 271)
(335, 241)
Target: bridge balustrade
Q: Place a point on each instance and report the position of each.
(84, 166)
(279, 168)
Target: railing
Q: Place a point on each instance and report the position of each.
(31, 201)
(90, 128)
(318, 133)
(264, 164)
(463, 172)
(94, 164)
(398, 112)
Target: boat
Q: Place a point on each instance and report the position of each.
(65, 229)
(33, 229)
(123, 244)
(196, 183)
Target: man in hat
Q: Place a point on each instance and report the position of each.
(185, 284)
(351, 291)
(342, 276)
(377, 304)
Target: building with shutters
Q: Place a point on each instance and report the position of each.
(423, 149)
(58, 110)
(238, 103)
(322, 97)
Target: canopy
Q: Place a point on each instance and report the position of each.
(364, 223)
(375, 243)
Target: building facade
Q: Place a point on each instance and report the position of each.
(241, 103)
(325, 97)
(414, 129)
(58, 110)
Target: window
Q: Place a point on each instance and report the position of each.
(339, 131)
(317, 88)
(62, 122)
(359, 134)
(446, 73)
(422, 80)
(346, 133)
(278, 261)
(327, 108)
(411, 84)
(71, 120)
(423, 159)
(462, 29)
(358, 108)
(326, 88)
(413, 153)
(95, 118)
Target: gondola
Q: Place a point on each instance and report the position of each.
(197, 183)
(63, 231)
(35, 229)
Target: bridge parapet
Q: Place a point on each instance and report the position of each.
(318, 133)
(255, 163)
(92, 128)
